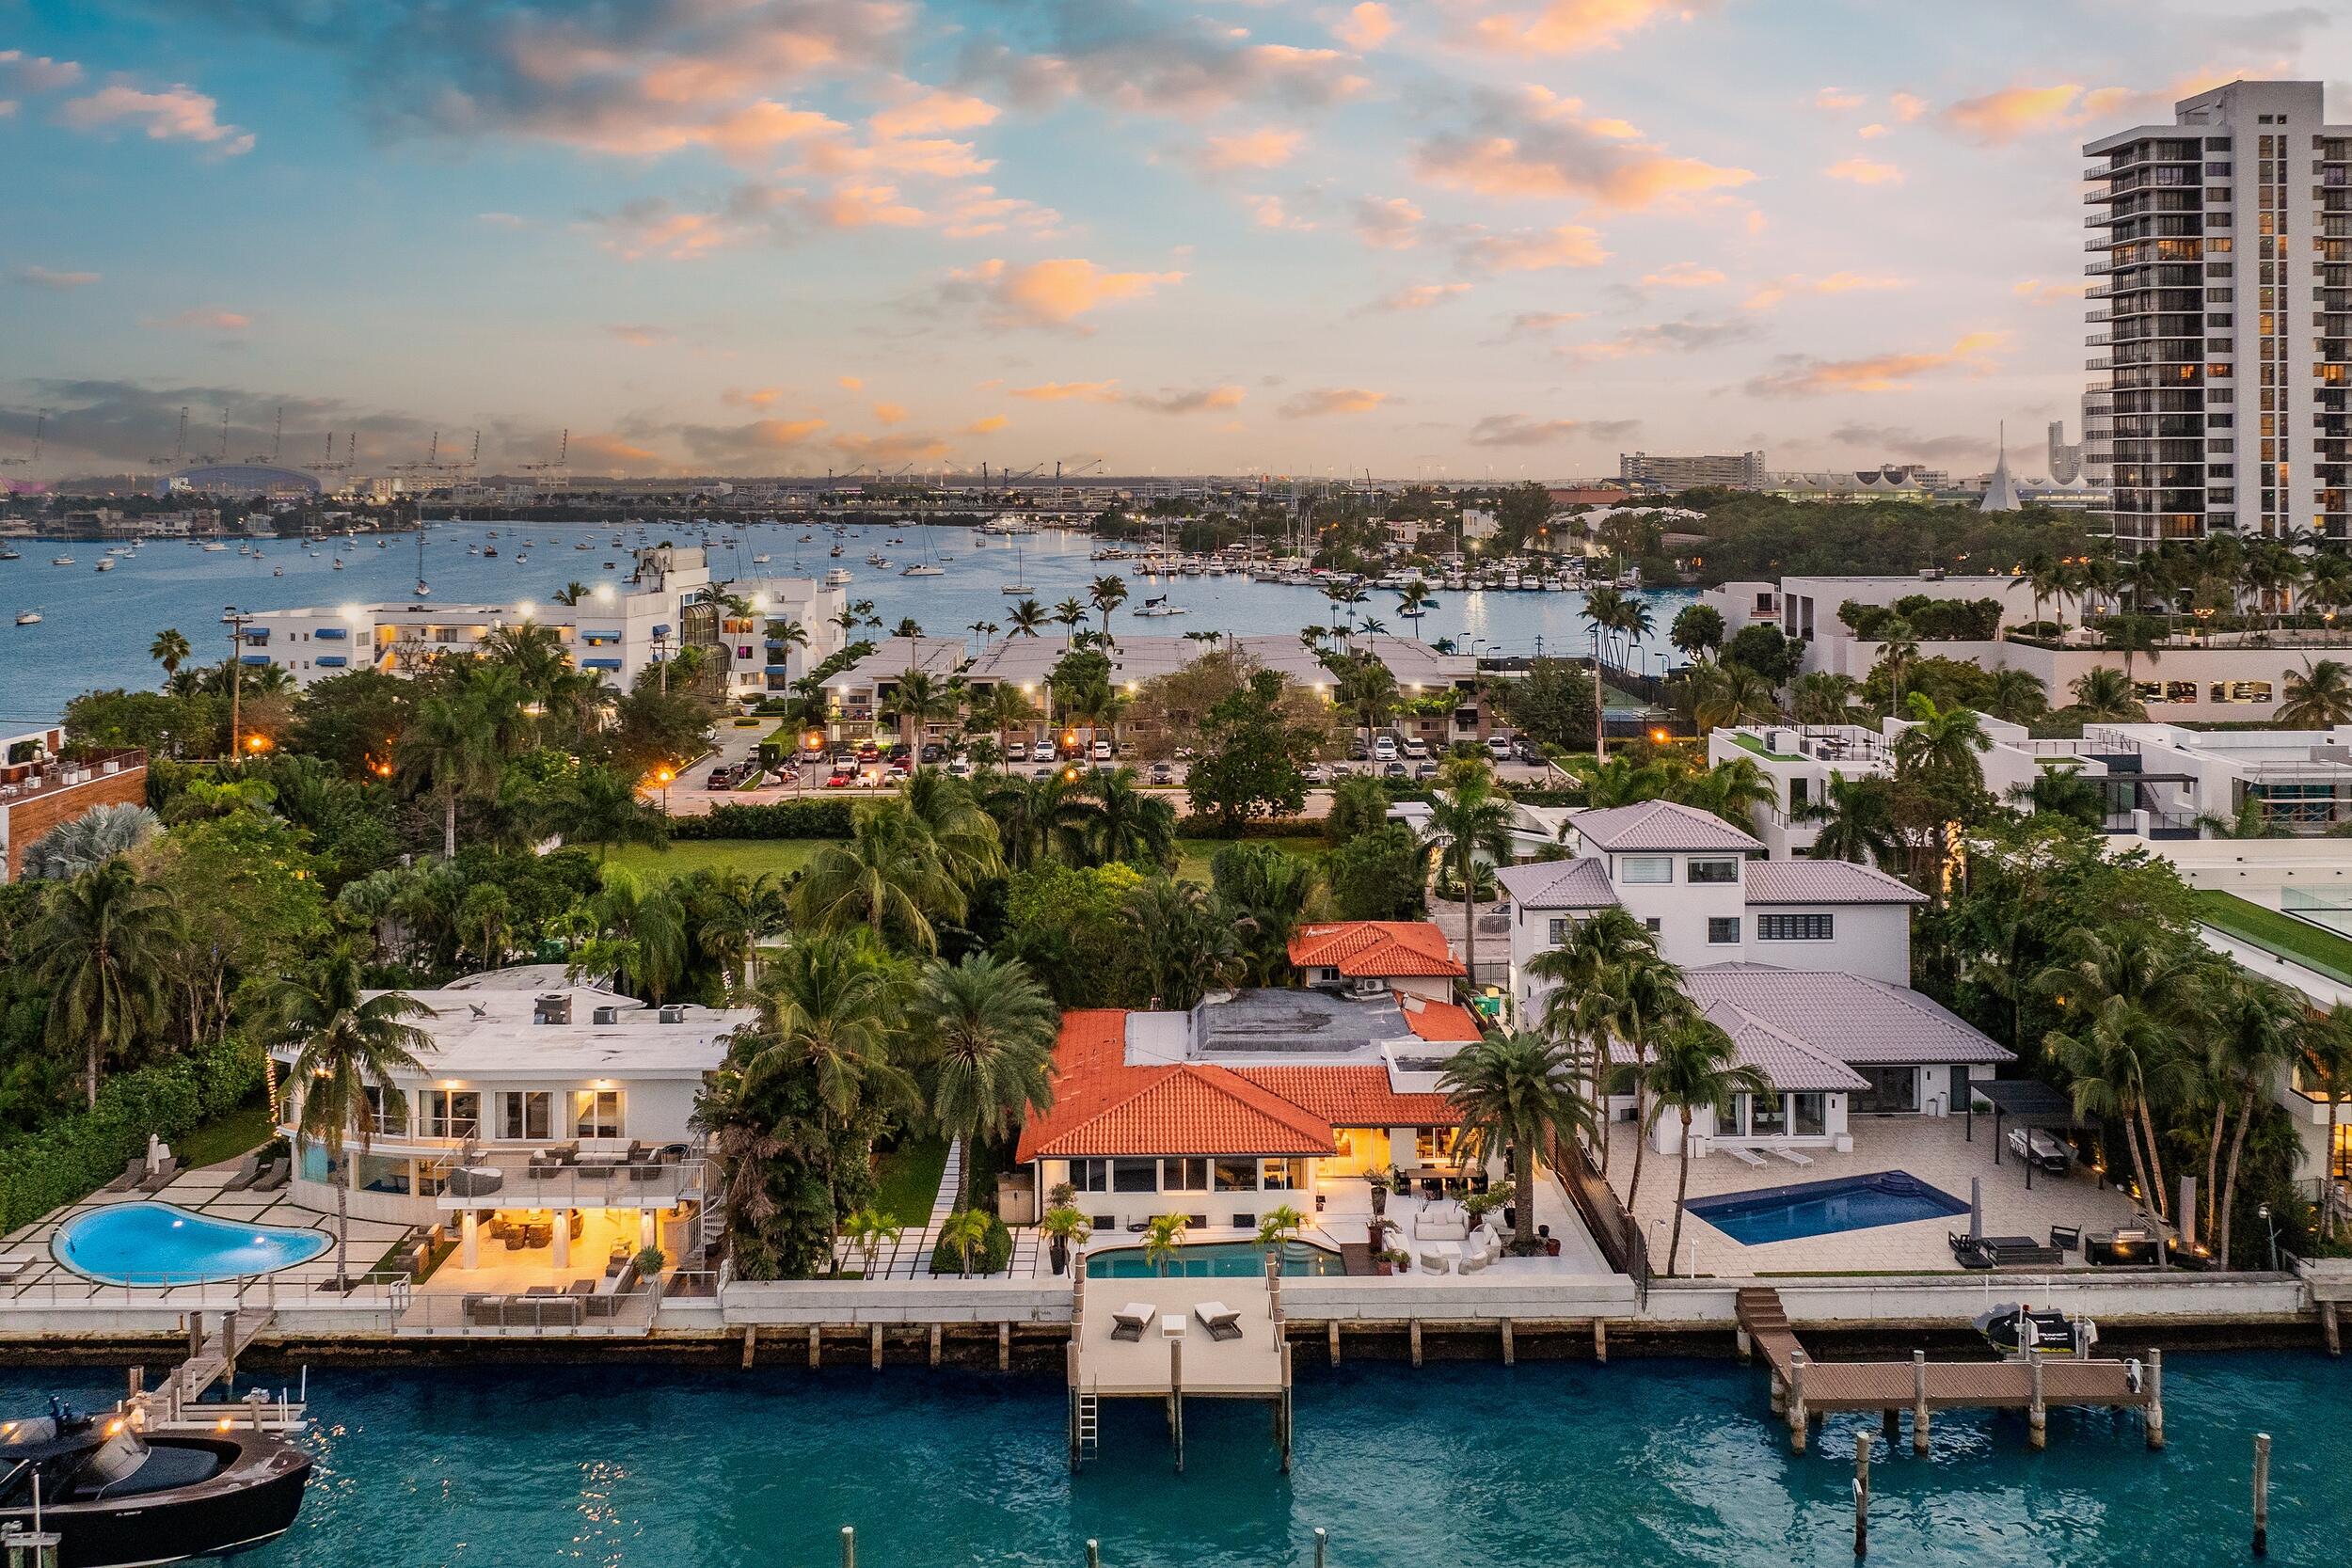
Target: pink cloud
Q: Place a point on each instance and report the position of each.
(37, 72)
(1419, 296)
(1052, 293)
(1682, 275)
(175, 114)
(1573, 26)
(1835, 99)
(1365, 27)
(1864, 171)
(1067, 391)
(1765, 296)
(930, 113)
(753, 397)
(1803, 375)
(1568, 245)
(1268, 148)
(210, 318)
(890, 413)
(1332, 400)
(637, 335)
(1387, 223)
(1536, 145)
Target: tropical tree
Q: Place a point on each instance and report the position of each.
(1583, 971)
(347, 1043)
(570, 594)
(1108, 593)
(1857, 821)
(1267, 890)
(1723, 696)
(1945, 744)
(1277, 1224)
(1027, 616)
(90, 841)
(869, 1231)
(2258, 1034)
(102, 946)
(889, 875)
(2319, 698)
(963, 833)
(170, 650)
(1162, 1236)
(1182, 945)
(1040, 819)
(2111, 1056)
(923, 699)
(448, 749)
(1001, 708)
(987, 1032)
(1128, 823)
(1470, 813)
(2103, 694)
(966, 1230)
(1822, 698)
(1695, 1065)
(1070, 613)
(2326, 1048)
(633, 930)
(1516, 1093)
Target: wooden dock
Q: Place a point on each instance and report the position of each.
(1176, 1358)
(176, 1403)
(1803, 1388)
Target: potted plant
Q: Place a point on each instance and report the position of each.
(1278, 1224)
(1379, 1192)
(1479, 1205)
(1064, 1228)
(650, 1263)
(1395, 1260)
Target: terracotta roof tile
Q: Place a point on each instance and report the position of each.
(1374, 948)
(1444, 1022)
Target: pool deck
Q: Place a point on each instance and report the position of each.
(1935, 1149)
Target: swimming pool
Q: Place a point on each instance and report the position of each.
(1823, 1208)
(1213, 1259)
(159, 1243)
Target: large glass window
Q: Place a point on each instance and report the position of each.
(1090, 1176)
(1769, 1116)
(449, 1113)
(525, 1114)
(1237, 1176)
(1284, 1175)
(1723, 930)
(596, 1114)
(377, 1173)
(1796, 928)
(1645, 868)
(1134, 1175)
(1715, 872)
(390, 1123)
(1892, 1088)
(1190, 1175)
(1812, 1118)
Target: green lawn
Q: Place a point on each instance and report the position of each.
(239, 1131)
(907, 1179)
(780, 856)
(1193, 855)
(2282, 934)
(1751, 743)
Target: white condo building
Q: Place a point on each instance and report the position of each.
(618, 631)
(2221, 316)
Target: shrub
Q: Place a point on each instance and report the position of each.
(76, 1154)
(991, 1256)
(778, 819)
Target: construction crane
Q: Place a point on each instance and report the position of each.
(351, 452)
(1092, 465)
(41, 426)
(179, 445)
(558, 467)
(1031, 470)
(276, 440)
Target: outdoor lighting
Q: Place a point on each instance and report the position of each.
(257, 744)
(604, 592)
(1657, 736)
(353, 612)
(523, 609)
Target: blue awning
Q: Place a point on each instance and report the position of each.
(661, 631)
(255, 659)
(600, 664)
(332, 632)
(332, 661)
(258, 638)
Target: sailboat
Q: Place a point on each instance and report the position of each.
(1020, 583)
(424, 588)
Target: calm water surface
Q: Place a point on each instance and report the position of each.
(1644, 1461)
(96, 627)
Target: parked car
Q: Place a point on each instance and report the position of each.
(1163, 773)
(959, 768)
(720, 777)
(1393, 771)
(1424, 771)
(1046, 772)
(1526, 749)
(841, 778)
(1499, 748)
(1017, 751)
(934, 752)
(901, 753)
(1384, 749)
(1416, 747)
(898, 771)
(1105, 751)
(1358, 752)
(869, 751)
(845, 758)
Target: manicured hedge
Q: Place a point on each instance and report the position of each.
(987, 1260)
(779, 819)
(77, 1154)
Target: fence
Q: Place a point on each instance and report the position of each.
(1619, 1238)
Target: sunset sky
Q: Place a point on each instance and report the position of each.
(1447, 238)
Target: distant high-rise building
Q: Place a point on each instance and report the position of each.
(2221, 316)
(1743, 472)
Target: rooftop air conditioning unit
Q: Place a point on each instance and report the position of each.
(606, 1015)
(673, 1015)
(1367, 986)
(556, 1009)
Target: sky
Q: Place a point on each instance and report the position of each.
(1448, 239)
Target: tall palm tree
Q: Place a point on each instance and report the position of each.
(2105, 693)
(635, 930)
(1129, 823)
(570, 594)
(1694, 1067)
(1108, 593)
(790, 632)
(2111, 1057)
(1470, 814)
(169, 649)
(2260, 1027)
(1040, 819)
(1070, 613)
(599, 807)
(1027, 616)
(1942, 743)
(1582, 970)
(2319, 698)
(1268, 890)
(1182, 945)
(987, 1032)
(1516, 1093)
(1001, 708)
(1725, 696)
(448, 749)
(103, 947)
(1857, 818)
(966, 837)
(1411, 600)
(1162, 1237)
(890, 874)
(1643, 999)
(347, 1043)
(2016, 695)
(922, 699)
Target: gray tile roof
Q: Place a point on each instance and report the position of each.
(1788, 1063)
(1576, 884)
(1844, 1016)
(1807, 881)
(1657, 825)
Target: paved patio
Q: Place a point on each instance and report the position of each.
(1934, 1150)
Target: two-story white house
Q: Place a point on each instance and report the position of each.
(1804, 963)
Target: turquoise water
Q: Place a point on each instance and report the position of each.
(1823, 1208)
(1213, 1259)
(155, 1243)
(1644, 1462)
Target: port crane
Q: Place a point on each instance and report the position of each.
(277, 440)
(351, 452)
(557, 468)
(41, 427)
(179, 445)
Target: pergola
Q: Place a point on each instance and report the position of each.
(2027, 1101)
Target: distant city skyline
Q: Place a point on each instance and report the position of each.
(1468, 237)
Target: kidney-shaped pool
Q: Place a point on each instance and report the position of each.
(158, 1243)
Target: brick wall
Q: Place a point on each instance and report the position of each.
(28, 820)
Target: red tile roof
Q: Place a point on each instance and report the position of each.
(1101, 1106)
(1444, 1022)
(1374, 948)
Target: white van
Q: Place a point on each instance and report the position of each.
(1417, 748)
(1384, 747)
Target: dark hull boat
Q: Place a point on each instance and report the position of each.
(116, 1499)
(2021, 1332)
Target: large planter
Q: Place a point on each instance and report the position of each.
(1059, 1252)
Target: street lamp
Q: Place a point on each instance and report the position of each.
(2264, 1212)
(663, 776)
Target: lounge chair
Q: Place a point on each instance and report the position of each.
(1222, 1322)
(166, 1171)
(1794, 1156)
(1967, 1251)
(1747, 1157)
(14, 1269)
(2013, 1251)
(1435, 1262)
(133, 1172)
(2066, 1238)
(486, 1310)
(273, 1176)
(247, 1168)
(1129, 1321)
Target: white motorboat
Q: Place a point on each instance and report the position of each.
(62, 560)
(106, 563)
(28, 617)
(922, 570)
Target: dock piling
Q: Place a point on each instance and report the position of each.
(816, 1347)
(1004, 1346)
(849, 1546)
(1797, 1416)
(1920, 1401)
(2155, 1399)
(2262, 1493)
(1510, 1352)
(936, 1332)
(1601, 1341)
(1176, 1398)
(1333, 1336)
(1862, 1493)
(2329, 1328)
(2037, 1413)
(751, 1344)
(1320, 1543)
(1413, 1331)
(1094, 1553)
(875, 1338)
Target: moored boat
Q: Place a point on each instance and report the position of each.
(117, 1498)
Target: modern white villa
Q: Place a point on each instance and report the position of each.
(549, 1120)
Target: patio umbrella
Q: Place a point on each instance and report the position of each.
(1976, 1207)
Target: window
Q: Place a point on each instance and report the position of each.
(1185, 1175)
(527, 1113)
(1714, 873)
(1284, 1175)
(1723, 929)
(1432, 1144)
(1090, 1176)
(1651, 925)
(1768, 1115)
(1892, 1088)
(1796, 928)
(449, 1113)
(596, 1114)
(1812, 1120)
(1236, 1175)
(1556, 931)
(2240, 691)
(1134, 1175)
(1645, 868)
(397, 1123)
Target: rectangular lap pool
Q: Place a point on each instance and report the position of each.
(1823, 1208)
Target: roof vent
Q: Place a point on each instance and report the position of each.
(553, 1009)
(673, 1015)
(605, 1015)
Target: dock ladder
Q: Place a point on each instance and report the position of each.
(1089, 1423)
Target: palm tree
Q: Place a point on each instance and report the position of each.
(1070, 613)
(1857, 818)
(90, 841)
(169, 649)
(789, 632)
(347, 1043)
(599, 806)
(103, 947)
(1277, 1224)
(2103, 694)
(1822, 698)
(987, 1030)
(2258, 1029)
(1899, 652)
(1728, 695)
(869, 1231)
(1516, 1093)
(1108, 593)
(634, 930)
(2016, 695)
(1642, 998)
(1128, 823)
(1269, 890)
(2325, 1048)
(965, 835)
(2318, 698)
(1695, 1066)
(448, 748)
(923, 699)
(890, 873)
(1942, 743)
(1582, 970)
(1027, 616)
(570, 594)
(1182, 945)
(1469, 814)
(966, 1230)
(1411, 600)
(2111, 1061)
(1001, 707)
(1040, 819)
(1163, 1235)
